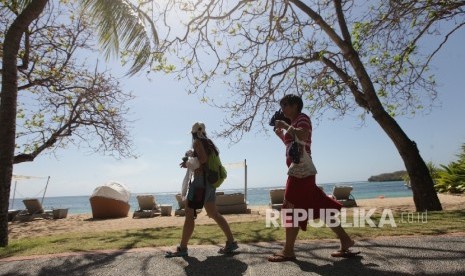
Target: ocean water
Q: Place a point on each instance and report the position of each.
(255, 196)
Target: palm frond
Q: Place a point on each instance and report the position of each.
(120, 26)
(452, 177)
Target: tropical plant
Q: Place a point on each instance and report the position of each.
(433, 170)
(451, 179)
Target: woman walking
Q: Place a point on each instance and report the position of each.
(203, 147)
(302, 193)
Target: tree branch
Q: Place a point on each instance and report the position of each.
(323, 24)
(342, 22)
(349, 81)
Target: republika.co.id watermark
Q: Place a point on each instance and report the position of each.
(334, 217)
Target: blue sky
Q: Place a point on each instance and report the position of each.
(343, 150)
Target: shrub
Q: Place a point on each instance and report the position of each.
(451, 178)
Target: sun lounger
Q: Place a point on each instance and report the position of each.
(231, 203)
(276, 198)
(180, 211)
(33, 210)
(343, 195)
(148, 207)
(12, 213)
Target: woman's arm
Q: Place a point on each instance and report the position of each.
(302, 133)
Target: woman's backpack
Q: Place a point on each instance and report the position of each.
(215, 171)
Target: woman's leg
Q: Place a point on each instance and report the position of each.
(346, 241)
(291, 236)
(287, 254)
(212, 212)
(188, 228)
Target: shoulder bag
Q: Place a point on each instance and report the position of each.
(304, 167)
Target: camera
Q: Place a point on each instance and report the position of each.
(278, 115)
(189, 153)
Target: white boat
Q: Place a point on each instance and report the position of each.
(407, 184)
(110, 201)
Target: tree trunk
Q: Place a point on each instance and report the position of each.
(8, 106)
(424, 194)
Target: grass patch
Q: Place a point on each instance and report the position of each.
(245, 232)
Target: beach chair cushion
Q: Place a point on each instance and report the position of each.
(277, 196)
(33, 210)
(342, 192)
(343, 195)
(147, 207)
(181, 204)
(146, 202)
(33, 206)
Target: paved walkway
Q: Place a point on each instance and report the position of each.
(432, 255)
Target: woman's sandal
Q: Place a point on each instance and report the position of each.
(279, 257)
(347, 253)
(180, 252)
(229, 248)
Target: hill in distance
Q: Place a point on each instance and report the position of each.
(394, 176)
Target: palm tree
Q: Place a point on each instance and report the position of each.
(121, 26)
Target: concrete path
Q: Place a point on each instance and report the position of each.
(432, 255)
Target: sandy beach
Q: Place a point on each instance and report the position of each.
(84, 223)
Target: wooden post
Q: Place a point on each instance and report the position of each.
(245, 179)
(42, 202)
